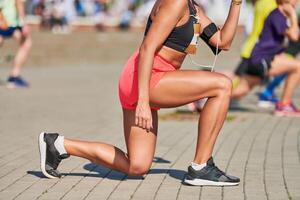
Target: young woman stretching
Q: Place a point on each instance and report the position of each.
(151, 80)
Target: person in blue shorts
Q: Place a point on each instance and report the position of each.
(12, 25)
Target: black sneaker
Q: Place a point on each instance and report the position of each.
(49, 156)
(210, 175)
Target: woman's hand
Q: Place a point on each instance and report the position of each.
(143, 115)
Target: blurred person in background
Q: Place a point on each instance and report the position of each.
(118, 13)
(12, 20)
(127, 14)
(39, 8)
(267, 97)
(262, 9)
(152, 79)
(58, 16)
(253, 29)
(115, 10)
(142, 13)
(79, 8)
(267, 58)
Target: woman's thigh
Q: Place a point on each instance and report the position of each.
(140, 143)
(283, 64)
(177, 88)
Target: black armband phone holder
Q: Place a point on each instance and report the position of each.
(207, 33)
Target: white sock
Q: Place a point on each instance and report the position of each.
(59, 145)
(198, 167)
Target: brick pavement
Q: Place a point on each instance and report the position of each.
(81, 101)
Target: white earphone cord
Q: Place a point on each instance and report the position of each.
(211, 67)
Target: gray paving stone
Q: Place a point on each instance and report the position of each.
(75, 93)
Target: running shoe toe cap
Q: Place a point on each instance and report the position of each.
(229, 178)
(54, 173)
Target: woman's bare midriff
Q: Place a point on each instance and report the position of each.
(174, 57)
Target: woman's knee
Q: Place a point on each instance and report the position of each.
(224, 85)
(138, 168)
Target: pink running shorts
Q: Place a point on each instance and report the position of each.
(128, 83)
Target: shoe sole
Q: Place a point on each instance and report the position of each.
(11, 86)
(202, 182)
(264, 104)
(42, 148)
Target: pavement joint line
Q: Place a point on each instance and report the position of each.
(248, 157)
(33, 110)
(20, 193)
(14, 169)
(184, 150)
(37, 180)
(265, 161)
(233, 153)
(117, 138)
(294, 122)
(74, 185)
(14, 159)
(98, 182)
(6, 154)
(19, 177)
(170, 148)
(180, 186)
(298, 145)
(231, 130)
(84, 160)
(236, 131)
(282, 162)
(107, 174)
(59, 180)
(111, 171)
(35, 183)
(228, 133)
(30, 152)
(178, 157)
(234, 149)
(240, 116)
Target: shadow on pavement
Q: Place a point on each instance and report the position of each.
(103, 172)
(160, 160)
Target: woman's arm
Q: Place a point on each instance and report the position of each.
(167, 15)
(225, 35)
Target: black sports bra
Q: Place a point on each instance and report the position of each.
(183, 38)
